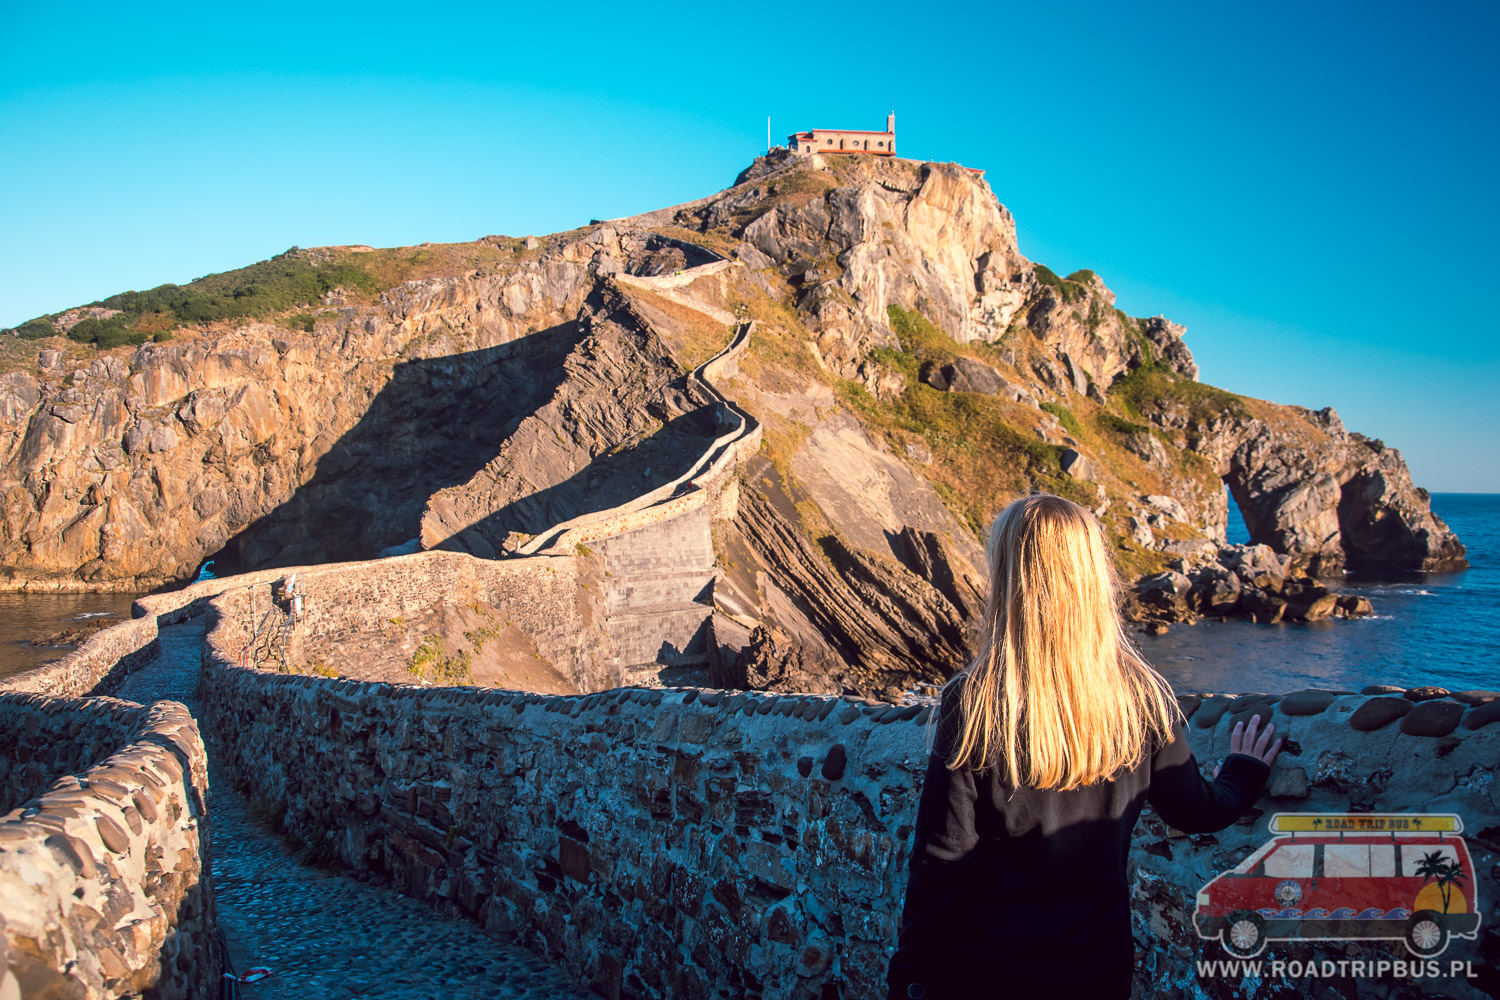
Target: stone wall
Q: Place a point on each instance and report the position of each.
(41, 738)
(707, 477)
(351, 603)
(96, 667)
(104, 887)
(658, 587)
(691, 843)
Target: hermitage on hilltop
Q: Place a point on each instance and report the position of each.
(828, 140)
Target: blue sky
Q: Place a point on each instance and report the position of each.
(1310, 191)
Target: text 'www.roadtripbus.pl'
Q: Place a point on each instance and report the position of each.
(1346, 968)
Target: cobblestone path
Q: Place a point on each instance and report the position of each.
(329, 935)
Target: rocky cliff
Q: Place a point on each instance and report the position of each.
(911, 369)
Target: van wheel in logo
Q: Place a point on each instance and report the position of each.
(1426, 933)
(1244, 934)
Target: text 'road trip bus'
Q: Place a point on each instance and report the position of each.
(1346, 876)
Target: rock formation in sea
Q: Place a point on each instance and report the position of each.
(911, 372)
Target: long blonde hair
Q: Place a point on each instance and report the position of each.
(1057, 694)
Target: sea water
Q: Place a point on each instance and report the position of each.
(1439, 628)
(27, 618)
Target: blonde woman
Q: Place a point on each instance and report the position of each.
(1045, 751)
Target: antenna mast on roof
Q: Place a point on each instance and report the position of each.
(768, 133)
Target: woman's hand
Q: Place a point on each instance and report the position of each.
(1244, 739)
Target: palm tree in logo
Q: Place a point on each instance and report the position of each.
(1447, 874)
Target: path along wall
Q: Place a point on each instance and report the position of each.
(691, 843)
(104, 887)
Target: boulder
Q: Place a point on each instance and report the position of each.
(1309, 702)
(1263, 607)
(1076, 375)
(1314, 610)
(1482, 715)
(1169, 506)
(1165, 592)
(1076, 465)
(751, 257)
(1211, 711)
(1355, 605)
(1216, 590)
(964, 375)
(1257, 565)
(1432, 718)
(1379, 712)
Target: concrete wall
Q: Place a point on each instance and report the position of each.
(104, 888)
(685, 843)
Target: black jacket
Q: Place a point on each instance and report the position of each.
(1021, 892)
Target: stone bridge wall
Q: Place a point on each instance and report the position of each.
(96, 667)
(681, 842)
(351, 602)
(104, 887)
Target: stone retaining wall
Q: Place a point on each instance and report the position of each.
(658, 586)
(690, 843)
(352, 603)
(660, 282)
(104, 887)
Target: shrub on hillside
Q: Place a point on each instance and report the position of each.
(35, 329)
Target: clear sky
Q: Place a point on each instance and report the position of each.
(1309, 188)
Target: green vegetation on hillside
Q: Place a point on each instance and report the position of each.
(981, 455)
(921, 338)
(36, 329)
(260, 291)
(432, 661)
(1065, 417)
(264, 289)
(1110, 422)
(1071, 288)
(1152, 386)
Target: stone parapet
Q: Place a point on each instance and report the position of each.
(693, 843)
(104, 885)
(97, 666)
(541, 596)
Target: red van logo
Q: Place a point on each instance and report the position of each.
(1344, 877)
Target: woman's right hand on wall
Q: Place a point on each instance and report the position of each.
(1246, 740)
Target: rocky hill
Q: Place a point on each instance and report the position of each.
(911, 369)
